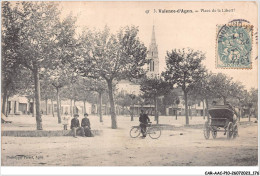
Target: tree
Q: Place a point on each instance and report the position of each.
(153, 88)
(221, 86)
(171, 98)
(36, 36)
(40, 39)
(253, 102)
(126, 101)
(177, 102)
(123, 100)
(184, 68)
(203, 91)
(12, 84)
(25, 87)
(112, 57)
(47, 90)
(10, 42)
(98, 85)
(59, 78)
(132, 97)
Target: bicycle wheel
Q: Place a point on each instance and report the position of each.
(154, 132)
(135, 132)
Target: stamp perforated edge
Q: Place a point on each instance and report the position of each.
(216, 48)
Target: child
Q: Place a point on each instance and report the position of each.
(65, 121)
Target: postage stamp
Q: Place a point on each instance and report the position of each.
(234, 46)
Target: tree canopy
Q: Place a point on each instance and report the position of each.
(111, 57)
(184, 69)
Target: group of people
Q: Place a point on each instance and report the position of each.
(83, 129)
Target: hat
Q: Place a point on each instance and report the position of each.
(86, 114)
(76, 115)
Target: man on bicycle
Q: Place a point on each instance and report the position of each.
(143, 119)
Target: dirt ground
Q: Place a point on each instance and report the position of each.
(182, 146)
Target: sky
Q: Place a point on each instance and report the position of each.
(196, 30)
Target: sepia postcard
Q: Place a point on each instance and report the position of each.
(128, 83)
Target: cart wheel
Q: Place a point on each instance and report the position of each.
(214, 134)
(235, 131)
(206, 130)
(229, 130)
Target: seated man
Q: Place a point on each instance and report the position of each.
(75, 126)
(143, 119)
(85, 124)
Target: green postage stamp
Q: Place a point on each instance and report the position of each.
(234, 46)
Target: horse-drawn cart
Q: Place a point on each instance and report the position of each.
(222, 119)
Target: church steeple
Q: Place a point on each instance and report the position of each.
(153, 36)
(152, 56)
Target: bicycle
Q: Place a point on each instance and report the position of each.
(153, 131)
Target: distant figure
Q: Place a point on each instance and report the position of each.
(85, 124)
(143, 119)
(214, 103)
(65, 121)
(75, 127)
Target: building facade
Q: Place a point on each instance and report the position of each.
(20, 105)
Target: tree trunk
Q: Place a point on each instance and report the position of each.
(176, 113)
(74, 107)
(46, 103)
(52, 108)
(249, 116)
(58, 104)
(186, 107)
(61, 112)
(190, 112)
(37, 99)
(100, 106)
(132, 112)
(4, 101)
(84, 106)
(33, 107)
(207, 108)
(203, 109)
(7, 106)
(112, 104)
(71, 113)
(224, 100)
(195, 109)
(239, 113)
(156, 116)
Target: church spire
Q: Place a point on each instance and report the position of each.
(153, 46)
(152, 57)
(153, 37)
